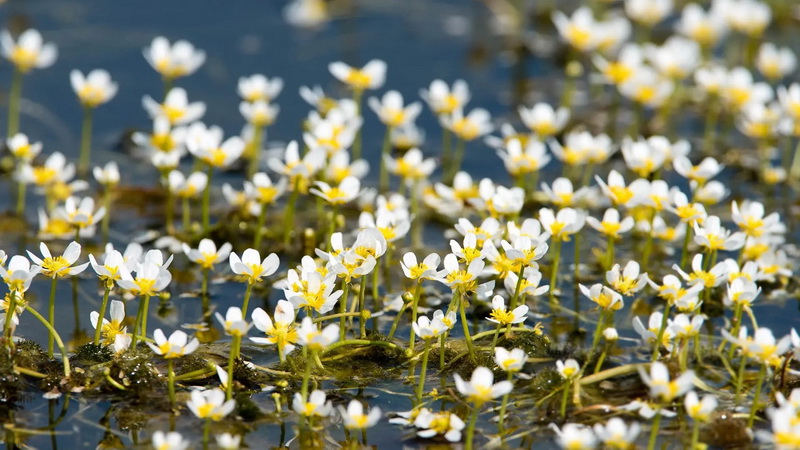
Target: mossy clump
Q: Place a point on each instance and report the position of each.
(248, 377)
(463, 365)
(11, 384)
(535, 344)
(31, 355)
(91, 354)
(726, 431)
(138, 375)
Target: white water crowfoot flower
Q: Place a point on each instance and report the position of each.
(605, 297)
(251, 267)
(443, 99)
(22, 148)
(316, 406)
(19, 273)
(206, 254)
(175, 60)
(308, 335)
(433, 424)
(176, 346)
(661, 387)
(543, 120)
(354, 417)
(426, 270)
(59, 266)
(210, 404)
(627, 281)
(233, 322)
(502, 316)
(281, 331)
(574, 437)
(345, 192)
(176, 108)
(713, 237)
(510, 361)
(28, 51)
(227, 441)
(113, 328)
(391, 111)
(481, 387)
(169, 441)
(258, 87)
(94, 88)
(371, 76)
(616, 434)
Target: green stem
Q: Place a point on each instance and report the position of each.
(258, 138)
(86, 141)
(357, 95)
(14, 96)
(171, 381)
(59, 342)
(186, 211)
(306, 375)
(231, 361)
(145, 312)
(685, 248)
(564, 398)
(247, 291)
(416, 221)
(554, 268)
(762, 373)
(504, 406)
(397, 321)
(21, 189)
(740, 377)
(206, 432)
(463, 310)
(423, 370)
(288, 225)
(661, 330)
(207, 200)
(609, 253)
(473, 417)
(52, 315)
(99, 328)
(598, 331)
(695, 435)
(447, 138)
(414, 303)
(12, 308)
(343, 309)
(651, 445)
(577, 246)
(455, 164)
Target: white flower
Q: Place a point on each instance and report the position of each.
(345, 192)
(308, 335)
(627, 281)
(648, 12)
(19, 273)
(187, 187)
(617, 434)
(605, 297)
(206, 144)
(581, 30)
(611, 225)
(251, 267)
(700, 410)
(543, 120)
(568, 369)
(510, 361)
(661, 387)
(427, 329)
(59, 266)
(676, 58)
(150, 279)
(176, 107)
(354, 417)
(259, 87)
(316, 406)
(234, 322)
(775, 62)
(392, 112)
(206, 254)
(210, 404)
(480, 389)
(712, 236)
(107, 175)
(280, 331)
(445, 423)
(574, 437)
(427, 269)
(562, 225)
(227, 441)
(445, 100)
(706, 28)
(173, 61)
(259, 113)
(522, 160)
(371, 76)
(411, 166)
(113, 328)
(470, 127)
(22, 148)
(502, 316)
(169, 441)
(28, 51)
(176, 346)
(93, 89)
